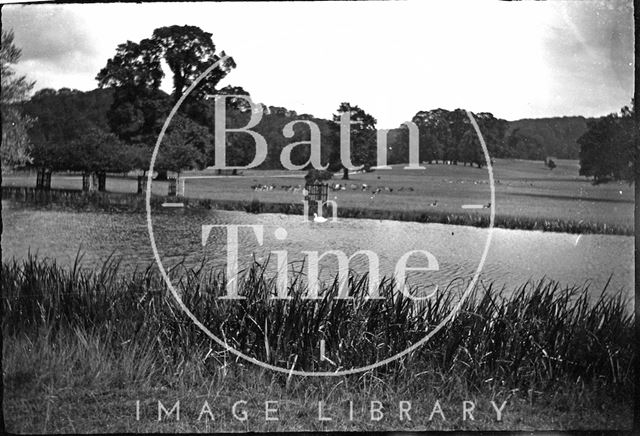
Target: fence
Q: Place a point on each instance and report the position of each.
(317, 192)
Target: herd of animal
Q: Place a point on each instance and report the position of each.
(334, 187)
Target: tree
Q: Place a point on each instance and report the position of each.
(189, 51)
(317, 176)
(16, 145)
(522, 146)
(135, 66)
(99, 152)
(64, 117)
(183, 147)
(139, 108)
(607, 148)
(435, 132)
(362, 138)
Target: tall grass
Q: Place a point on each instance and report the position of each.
(534, 336)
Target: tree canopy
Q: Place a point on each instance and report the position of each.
(139, 107)
(362, 137)
(16, 144)
(607, 148)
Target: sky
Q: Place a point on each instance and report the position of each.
(392, 58)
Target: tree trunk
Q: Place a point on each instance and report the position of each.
(102, 181)
(90, 182)
(142, 184)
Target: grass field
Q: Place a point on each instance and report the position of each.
(524, 190)
(81, 347)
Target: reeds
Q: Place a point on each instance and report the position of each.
(538, 334)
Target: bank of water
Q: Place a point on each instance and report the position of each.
(513, 257)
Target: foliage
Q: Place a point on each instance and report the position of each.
(16, 144)
(183, 146)
(556, 136)
(362, 138)
(314, 176)
(66, 120)
(189, 51)
(523, 146)
(448, 136)
(607, 149)
(16, 147)
(139, 108)
(136, 72)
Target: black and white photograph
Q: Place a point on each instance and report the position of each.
(319, 216)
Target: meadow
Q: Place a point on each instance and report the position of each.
(81, 346)
(528, 195)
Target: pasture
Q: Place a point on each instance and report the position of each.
(525, 190)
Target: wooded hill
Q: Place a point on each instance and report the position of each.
(555, 136)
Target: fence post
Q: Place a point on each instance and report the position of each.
(180, 190)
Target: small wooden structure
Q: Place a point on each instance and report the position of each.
(316, 192)
(173, 186)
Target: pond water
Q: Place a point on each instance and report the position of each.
(514, 257)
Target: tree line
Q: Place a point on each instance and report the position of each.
(114, 128)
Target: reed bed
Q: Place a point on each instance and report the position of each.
(536, 335)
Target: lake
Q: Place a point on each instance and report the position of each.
(514, 257)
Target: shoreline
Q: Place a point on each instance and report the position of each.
(136, 202)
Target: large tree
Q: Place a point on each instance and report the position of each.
(16, 145)
(434, 130)
(607, 149)
(189, 51)
(362, 138)
(64, 117)
(139, 107)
